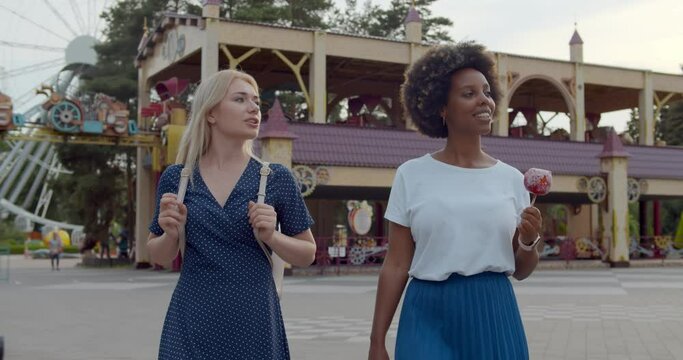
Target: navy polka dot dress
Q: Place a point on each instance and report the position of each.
(225, 305)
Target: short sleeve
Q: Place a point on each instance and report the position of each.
(397, 210)
(292, 214)
(168, 183)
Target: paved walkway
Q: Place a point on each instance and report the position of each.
(118, 313)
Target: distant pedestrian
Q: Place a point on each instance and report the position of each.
(56, 249)
(122, 244)
(104, 247)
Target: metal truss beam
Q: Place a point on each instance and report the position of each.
(41, 134)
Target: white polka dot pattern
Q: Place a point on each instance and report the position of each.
(225, 305)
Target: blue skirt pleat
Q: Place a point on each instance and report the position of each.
(461, 318)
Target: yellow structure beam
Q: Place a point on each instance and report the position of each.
(236, 61)
(296, 69)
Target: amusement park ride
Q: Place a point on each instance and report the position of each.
(57, 112)
(97, 119)
(89, 119)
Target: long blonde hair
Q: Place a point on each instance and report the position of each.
(209, 93)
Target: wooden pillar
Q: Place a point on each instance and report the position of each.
(578, 125)
(501, 125)
(209, 64)
(317, 80)
(145, 189)
(614, 163)
(646, 112)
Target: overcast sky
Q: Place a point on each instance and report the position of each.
(640, 34)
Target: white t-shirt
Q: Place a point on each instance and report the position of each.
(462, 220)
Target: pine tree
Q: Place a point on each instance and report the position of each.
(297, 13)
(671, 126)
(115, 73)
(389, 23)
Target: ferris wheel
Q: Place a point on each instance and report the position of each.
(47, 44)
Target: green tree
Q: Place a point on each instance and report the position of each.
(355, 20)
(633, 127)
(9, 233)
(306, 13)
(668, 127)
(257, 10)
(299, 13)
(88, 196)
(115, 73)
(671, 125)
(389, 23)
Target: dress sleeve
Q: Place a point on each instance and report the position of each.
(292, 214)
(168, 183)
(397, 209)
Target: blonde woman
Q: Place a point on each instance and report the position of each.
(225, 304)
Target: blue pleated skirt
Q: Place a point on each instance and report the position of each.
(461, 318)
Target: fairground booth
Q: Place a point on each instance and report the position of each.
(332, 114)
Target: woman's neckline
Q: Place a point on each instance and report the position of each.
(460, 168)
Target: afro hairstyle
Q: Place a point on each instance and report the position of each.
(424, 92)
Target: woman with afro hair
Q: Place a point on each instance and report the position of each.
(460, 223)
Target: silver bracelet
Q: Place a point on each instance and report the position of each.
(529, 247)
